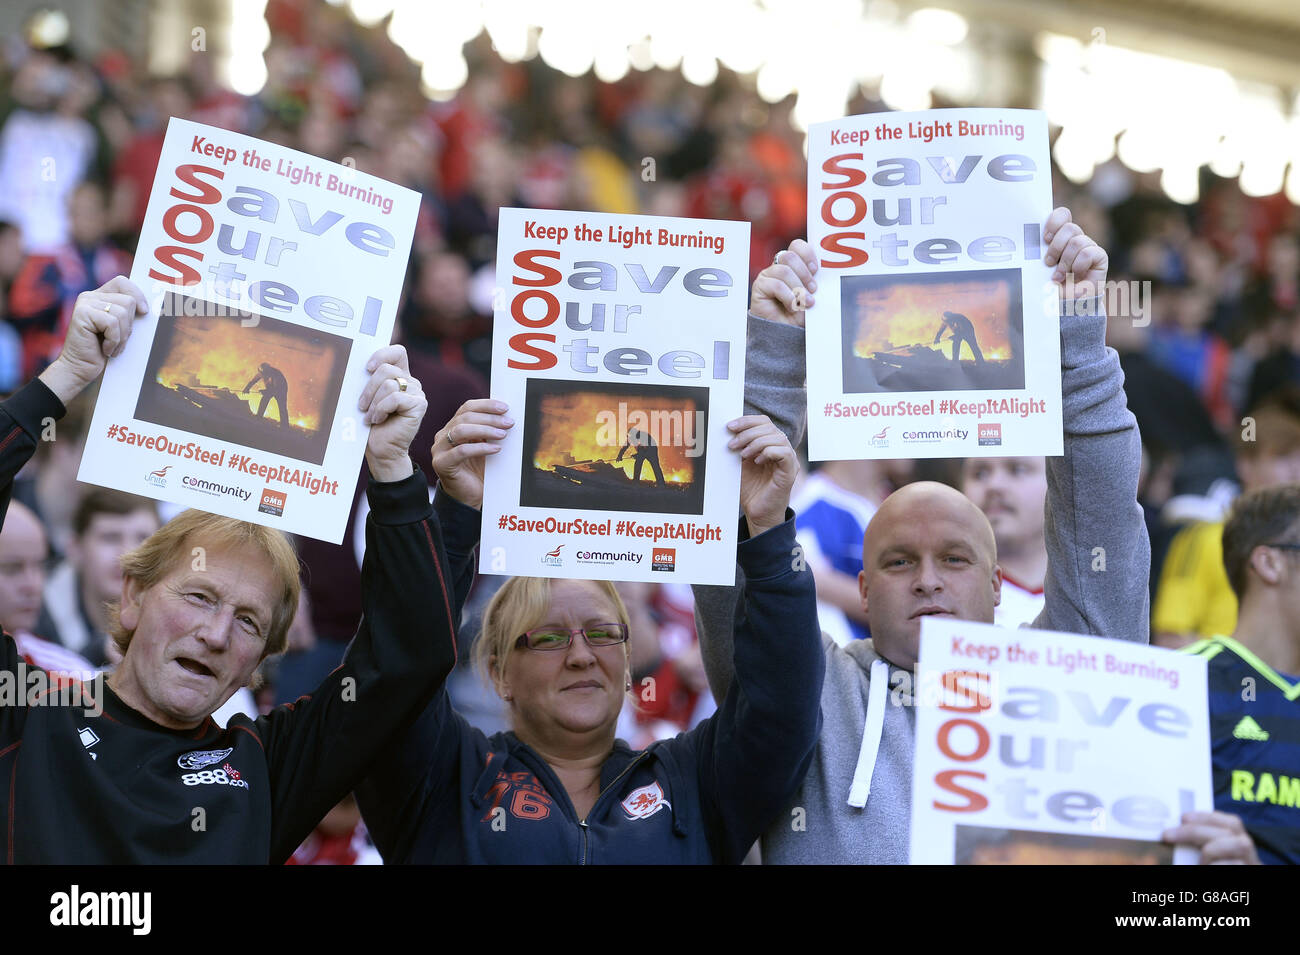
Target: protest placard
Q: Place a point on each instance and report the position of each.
(935, 326)
(1042, 747)
(272, 277)
(619, 345)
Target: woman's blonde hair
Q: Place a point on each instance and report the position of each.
(522, 604)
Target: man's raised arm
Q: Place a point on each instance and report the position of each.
(100, 325)
(318, 748)
(1098, 553)
(775, 385)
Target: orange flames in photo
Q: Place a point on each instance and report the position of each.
(897, 316)
(585, 426)
(224, 354)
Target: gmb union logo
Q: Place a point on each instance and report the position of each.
(553, 559)
(272, 502)
(881, 440)
(645, 802)
(158, 478)
(202, 757)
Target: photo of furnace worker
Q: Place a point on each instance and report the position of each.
(935, 332)
(614, 447)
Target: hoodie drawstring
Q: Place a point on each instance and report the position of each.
(877, 690)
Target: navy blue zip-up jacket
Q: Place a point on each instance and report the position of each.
(447, 793)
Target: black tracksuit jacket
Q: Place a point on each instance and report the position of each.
(118, 788)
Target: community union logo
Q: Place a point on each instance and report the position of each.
(881, 440)
(158, 478)
(214, 488)
(608, 557)
(553, 559)
(935, 436)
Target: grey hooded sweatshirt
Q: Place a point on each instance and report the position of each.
(855, 804)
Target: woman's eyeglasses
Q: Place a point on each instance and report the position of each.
(561, 638)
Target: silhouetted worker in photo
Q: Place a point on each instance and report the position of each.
(646, 451)
(962, 331)
(277, 388)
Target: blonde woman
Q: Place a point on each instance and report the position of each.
(559, 787)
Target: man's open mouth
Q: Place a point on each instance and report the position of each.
(194, 666)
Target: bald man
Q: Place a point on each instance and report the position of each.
(930, 551)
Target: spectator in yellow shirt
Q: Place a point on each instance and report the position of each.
(1193, 599)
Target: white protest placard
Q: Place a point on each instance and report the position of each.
(272, 277)
(619, 345)
(1042, 747)
(935, 328)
